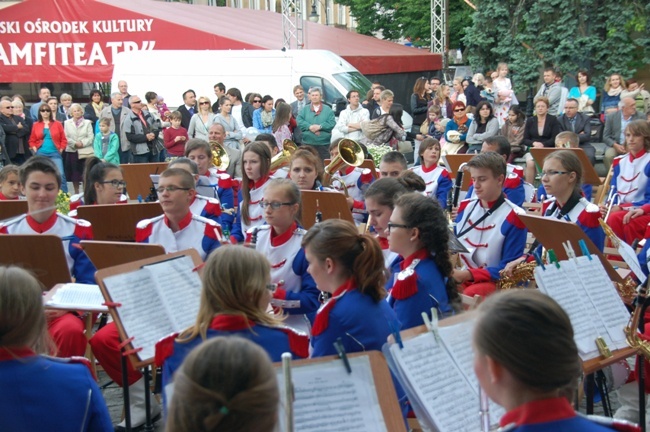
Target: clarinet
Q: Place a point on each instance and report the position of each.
(253, 241)
(458, 184)
(319, 215)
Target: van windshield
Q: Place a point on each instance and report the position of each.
(354, 81)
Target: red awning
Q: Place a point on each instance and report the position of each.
(74, 40)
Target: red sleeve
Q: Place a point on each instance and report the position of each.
(164, 349)
(513, 219)
(213, 208)
(589, 219)
(298, 343)
(225, 182)
(83, 230)
(210, 231)
(142, 234)
(480, 275)
(462, 206)
(512, 182)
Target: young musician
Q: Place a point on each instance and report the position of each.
(529, 372)
(231, 379)
(566, 139)
(280, 242)
(630, 188)
(177, 228)
(356, 182)
(349, 266)
(488, 226)
(199, 152)
(234, 299)
(514, 184)
(380, 202)
(418, 231)
(256, 160)
(392, 164)
(436, 177)
(270, 140)
(306, 169)
(40, 393)
(40, 181)
(103, 184)
(9, 183)
(201, 205)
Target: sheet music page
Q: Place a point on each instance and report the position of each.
(78, 296)
(556, 284)
(605, 298)
(458, 340)
(142, 312)
(328, 399)
(180, 289)
(436, 381)
(629, 256)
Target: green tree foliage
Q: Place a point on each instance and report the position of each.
(394, 20)
(601, 36)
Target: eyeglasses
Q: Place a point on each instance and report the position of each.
(45, 110)
(275, 204)
(204, 103)
(552, 173)
(459, 110)
(118, 184)
(135, 102)
(170, 189)
(391, 225)
(257, 101)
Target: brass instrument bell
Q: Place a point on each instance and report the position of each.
(350, 154)
(220, 157)
(283, 158)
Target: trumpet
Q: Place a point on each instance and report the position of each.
(350, 154)
(220, 157)
(283, 158)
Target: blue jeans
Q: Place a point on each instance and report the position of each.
(58, 160)
(125, 156)
(145, 158)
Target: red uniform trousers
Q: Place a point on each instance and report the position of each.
(633, 230)
(67, 332)
(106, 347)
(482, 289)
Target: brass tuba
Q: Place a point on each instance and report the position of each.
(351, 154)
(283, 158)
(220, 157)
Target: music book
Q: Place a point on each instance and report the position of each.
(363, 400)
(584, 290)
(437, 374)
(75, 296)
(152, 298)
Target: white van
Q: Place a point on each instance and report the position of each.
(272, 72)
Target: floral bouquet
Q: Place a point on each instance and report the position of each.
(62, 202)
(377, 152)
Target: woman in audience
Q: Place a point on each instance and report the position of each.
(40, 393)
(306, 169)
(418, 231)
(419, 102)
(513, 130)
(226, 384)
(230, 125)
(380, 202)
(281, 124)
(80, 136)
(65, 102)
(234, 301)
(443, 101)
(456, 130)
(540, 131)
(263, 117)
(9, 183)
(459, 92)
(256, 161)
(48, 139)
(611, 95)
(201, 121)
(532, 374)
(390, 129)
(584, 93)
(485, 125)
(94, 107)
(350, 267)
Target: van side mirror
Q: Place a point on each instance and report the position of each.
(339, 105)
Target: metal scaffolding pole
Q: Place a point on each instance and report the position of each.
(439, 29)
(293, 35)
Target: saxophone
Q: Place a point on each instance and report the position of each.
(631, 330)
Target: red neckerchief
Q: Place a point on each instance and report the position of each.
(42, 227)
(4, 198)
(259, 183)
(428, 170)
(183, 222)
(279, 240)
(225, 322)
(383, 242)
(15, 353)
(539, 411)
(638, 155)
(323, 316)
(407, 287)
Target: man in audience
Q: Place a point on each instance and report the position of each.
(44, 94)
(392, 164)
(386, 98)
(435, 84)
(552, 89)
(123, 87)
(188, 108)
(374, 103)
(349, 123)
(117, 114)
(16, 132)
(141, 137)
(219, 92)
(614, 134)
(300, 102)
(574, 121)
(316, 122)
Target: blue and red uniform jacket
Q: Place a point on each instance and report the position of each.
(42, 393)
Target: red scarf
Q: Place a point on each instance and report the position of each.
(323, 316)
(407, 287)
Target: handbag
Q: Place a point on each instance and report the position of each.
(86, 152)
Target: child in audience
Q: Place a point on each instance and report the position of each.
(175, 137)
(107, 143)
(9, 183)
